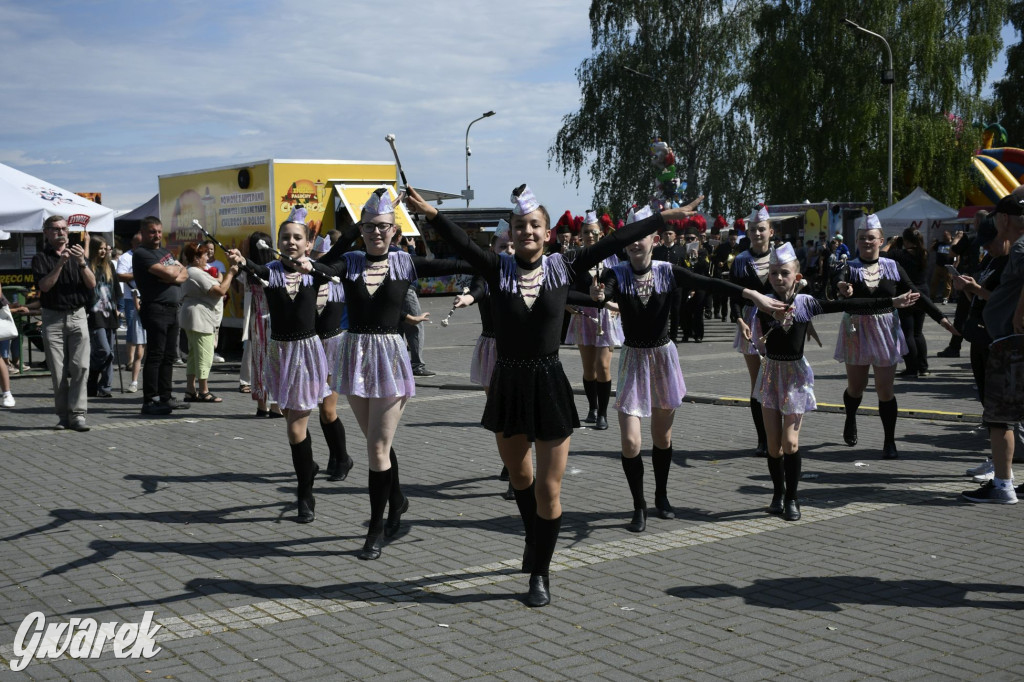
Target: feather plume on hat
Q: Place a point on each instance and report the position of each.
(606, 223)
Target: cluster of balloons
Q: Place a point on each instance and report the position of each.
(668, 188)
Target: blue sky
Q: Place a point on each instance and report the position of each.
(106, 96)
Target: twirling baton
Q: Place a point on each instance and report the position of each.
(261, 244)
(196, 223)
(576, 310)
(444, 322)
(390, 137)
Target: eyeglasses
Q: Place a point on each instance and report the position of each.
(376, 227)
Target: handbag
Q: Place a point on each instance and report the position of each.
(8, 330)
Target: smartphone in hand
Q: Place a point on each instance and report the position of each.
(952, 271)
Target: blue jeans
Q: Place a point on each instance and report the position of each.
(101, 361)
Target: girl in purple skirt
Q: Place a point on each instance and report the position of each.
(373, 368)
(650, 380)
(875, 340)
(750, 270)
(530, 399)
(785, 382)
(596, 332)
(296, 369)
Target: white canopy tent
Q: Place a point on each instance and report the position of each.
(26, 201)
(918, 209)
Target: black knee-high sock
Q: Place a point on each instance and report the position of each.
(590, 388)
(661, 462)
(633, 467)
(380, 491)
(887, 410)
(547, 538)
(302, 460)
(604, 392)
(396, 497)
(791, 466)
(851, 404)
(527, 503)
(778, 477)
(334, 434)
(332, 445)
(755, 414)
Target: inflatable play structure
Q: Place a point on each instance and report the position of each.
(997, 170)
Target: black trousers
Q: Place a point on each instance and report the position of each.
(161, 325)
(693, 315)
(912, 322)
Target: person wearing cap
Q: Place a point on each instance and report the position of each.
(296, 371)
(650, 379)
(750, 271)
(595, 332)
(530, 399)
(696, 260)
(1003, 318)
(874, 341)
(669, 250)
(842, 251)
(785, 382)
(721, 262)
(373, 369)
(65, 281)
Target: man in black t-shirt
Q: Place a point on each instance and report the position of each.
(66, 284)
(158, 278)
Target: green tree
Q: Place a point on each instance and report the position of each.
(1009, 92)
(817, 100)
(662, 68)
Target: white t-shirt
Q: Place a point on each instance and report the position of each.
(124, 265)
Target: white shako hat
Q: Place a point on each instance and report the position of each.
(298, 215)
(640, 214)
(783, 254)
(322, 244)
(871, 222)
(523, 200)
(590, 218)
(502, 229)
(379, 203)
(762, 215)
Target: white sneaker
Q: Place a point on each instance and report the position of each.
(982, 478)
(986, 468)
(218, 358)
(133, 387)
(991, 494)
(8, 400)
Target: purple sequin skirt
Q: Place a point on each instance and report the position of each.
(871, 340)
(741, 344)
(373, 366)
(296, 373)
(583, 330)
(786, 386)
(484, 356)
(649, 378)
(332, 349)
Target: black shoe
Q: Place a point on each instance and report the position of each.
(850, 431)
(154, 408)
(503, 476)
(948, 353)
(509, 494)
(307, 509)
(776, 506)
(707, 315)
(394, 521)
(665, 510)
(538, 595)
(922, 373)
(276, 415)
(529, 556)
(602, 422)
(685, 339)
(907, 374)
(889, 450)
(423, 372)
(104, 394)
(591, 416)
(792, 511)
(341, 470)
(639, 521)
(262, 414)
(175, 404)
(78, 424)
(698, 339)
(762, 450)
(372, 546)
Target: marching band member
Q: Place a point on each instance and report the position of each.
(530, 398)
(650, 380)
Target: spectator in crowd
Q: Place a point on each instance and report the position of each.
(102, 320)
(135, 335)
(159, 277)
(6, 399)
(413, 316)
(940, 279)
(967, 251)
(911, 254)
(202, 306)
(65, 281)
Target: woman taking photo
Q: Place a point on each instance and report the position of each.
(530, 399)
(202, 306)
(596, 332)
(913, 257)
(102, 320)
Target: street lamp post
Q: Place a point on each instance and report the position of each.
(468, 193)
(888, 77)
(668, 119)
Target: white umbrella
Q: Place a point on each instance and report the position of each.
(26, 201)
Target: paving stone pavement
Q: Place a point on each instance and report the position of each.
(887, 576)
